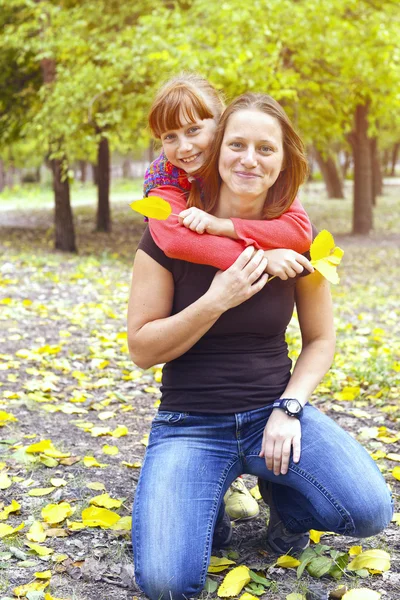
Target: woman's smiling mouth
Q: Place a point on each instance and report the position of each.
(246, 174)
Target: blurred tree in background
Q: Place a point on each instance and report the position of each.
(77, 79)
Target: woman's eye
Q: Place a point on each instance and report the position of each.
(266, 149)
(236, 145)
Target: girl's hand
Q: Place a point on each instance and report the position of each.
(284, 263)
(281, 434)
(199, 221)
(241, 281)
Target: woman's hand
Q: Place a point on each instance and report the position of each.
(281, 433)
(241, 281)
(284, 263)
(199, 221)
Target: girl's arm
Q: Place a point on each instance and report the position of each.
(291, 230)
(314, 307)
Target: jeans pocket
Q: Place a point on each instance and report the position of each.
(165, 417)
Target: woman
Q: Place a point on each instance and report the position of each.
(229, 403)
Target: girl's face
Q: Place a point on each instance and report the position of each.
(187, 146)
(251, 156)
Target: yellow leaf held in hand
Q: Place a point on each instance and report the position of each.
(361, 594)
(234, 582)
(288, 562)
(377, 560)
(99, 517)
(219, 564)
(104, 501)
(153, 207)
(36, 532)
(325, 256)
(56, 513)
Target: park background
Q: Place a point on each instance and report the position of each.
(77, 79)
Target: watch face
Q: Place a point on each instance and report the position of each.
(293, 406)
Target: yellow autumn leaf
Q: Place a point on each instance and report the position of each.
(99, 517)
(75, 525)
(57, 482)
(396, 473)
(36, 492)
(288, 562)
(56, 513)
(104, 501)
(105, 415)
(6, 530)
(219, 564)
(295, 596)
(153, 207)
(247, 596)
(43, 574)
(234, 582)
(36, 532)
(110, 450)
(39, 447)
(124, 524)
(255, 492)
(355, 550)
(5, 481)
(393, 456)
(35, 586)
(40, 550)
(361, 594)
(145, 440)
(325, 256)
(119, 431)
(315, 536)
(378, 454)
(90, 461)
(396, 518)
(6, 417)
(378, 560)
(96, 485)
(13, 507)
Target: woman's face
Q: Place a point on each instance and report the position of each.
(251, 156)
(187, 146)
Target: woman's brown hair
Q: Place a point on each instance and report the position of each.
(187, 95)
(281, 195)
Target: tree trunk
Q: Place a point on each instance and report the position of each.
(362, 195)
(64, 222)
(346, 165)
(333, 183)
(126, 168)
(38, 174)
(103, 186)
(83, 170)
(395, 154)
(377, 181)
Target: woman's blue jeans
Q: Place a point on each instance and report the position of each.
(192, 459)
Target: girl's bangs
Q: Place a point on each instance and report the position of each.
(180, 107)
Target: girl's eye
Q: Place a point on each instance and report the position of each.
(168, 137)
(193, 129)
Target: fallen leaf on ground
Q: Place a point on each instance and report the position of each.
(234, 582)
(378, 560)
(288, 562)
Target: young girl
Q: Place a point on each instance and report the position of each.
(184, 116)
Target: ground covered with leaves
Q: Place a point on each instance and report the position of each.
(75, 412)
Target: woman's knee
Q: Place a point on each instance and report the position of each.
(168, 587)
(374, 519)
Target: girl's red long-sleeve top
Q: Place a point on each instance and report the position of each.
(291, 230)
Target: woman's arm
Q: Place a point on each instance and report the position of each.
(314, 307)
(154, 335)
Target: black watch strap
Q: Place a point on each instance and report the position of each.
(291, 406)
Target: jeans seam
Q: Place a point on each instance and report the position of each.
(348, 521)
(210, 529)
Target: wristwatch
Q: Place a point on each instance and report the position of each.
(291, 406)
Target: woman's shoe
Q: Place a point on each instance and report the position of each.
(239, 503)
(279, 539)
(222, 533)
